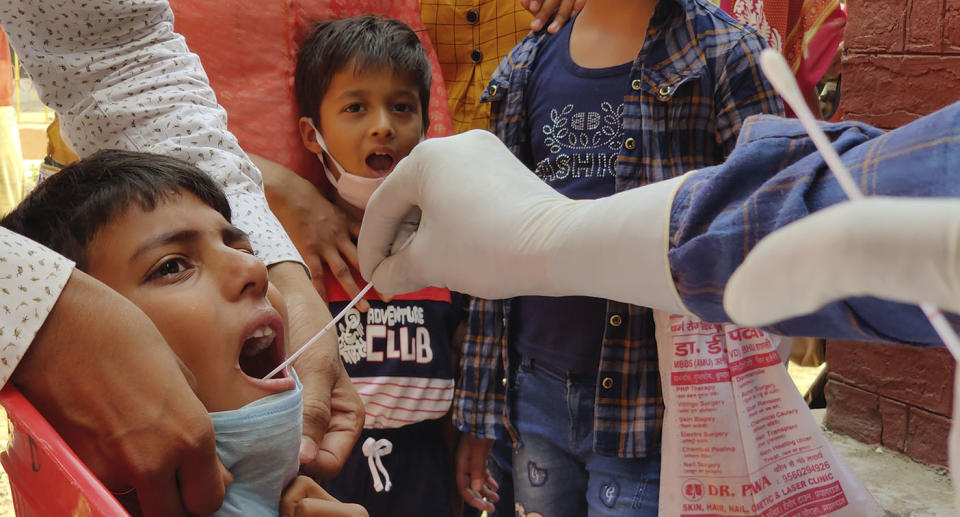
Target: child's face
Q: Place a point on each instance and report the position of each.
(369, 120)
(194, 275)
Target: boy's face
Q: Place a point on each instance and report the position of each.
(369, 120)
(194, 275)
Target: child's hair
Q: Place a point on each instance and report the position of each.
(66, 210)
(363, 42)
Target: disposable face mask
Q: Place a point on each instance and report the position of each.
(260, 445)
(354, 189)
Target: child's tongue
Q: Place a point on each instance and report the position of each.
(380, 162)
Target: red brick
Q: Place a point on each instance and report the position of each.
(924, 26)
(951, 27)
(853, 412)
(875, 26)
(921, 377)
(893, 419)
(927, 436)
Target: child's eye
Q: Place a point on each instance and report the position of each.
(354, 108)
(169, 268)
(404, 107)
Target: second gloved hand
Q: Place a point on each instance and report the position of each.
(899, 249)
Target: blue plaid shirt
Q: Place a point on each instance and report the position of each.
(775, 177)
(694, 82)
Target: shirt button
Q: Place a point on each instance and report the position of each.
(504, 321)
(635, 84)
(630, 143)
(476, 56)
(503, 382)
(616, 320)
(472, 16)
(607, 383)
(664, 91)
(492, 90)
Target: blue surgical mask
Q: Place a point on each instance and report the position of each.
(260, 445)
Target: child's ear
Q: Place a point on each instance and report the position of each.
(308, 135)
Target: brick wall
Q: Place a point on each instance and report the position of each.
(901, 59)
(892, 395)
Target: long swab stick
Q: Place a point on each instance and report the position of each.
(780, 75)
(356, 299)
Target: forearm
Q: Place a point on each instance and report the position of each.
(775, 177)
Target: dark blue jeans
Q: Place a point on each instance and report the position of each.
(556, 472)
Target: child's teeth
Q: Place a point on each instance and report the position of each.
(262, 332)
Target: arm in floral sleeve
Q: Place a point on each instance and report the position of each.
(31, 279)
(120, 78)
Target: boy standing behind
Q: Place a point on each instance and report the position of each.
(629, 93)
(363, 86)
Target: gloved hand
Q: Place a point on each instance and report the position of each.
(900, 249)
(489, 227)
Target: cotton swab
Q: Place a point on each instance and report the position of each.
(780, 75)
(323, 331)
(356, 299)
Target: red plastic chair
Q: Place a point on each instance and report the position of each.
(46, 477)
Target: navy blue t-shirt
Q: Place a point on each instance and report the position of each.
(575, 118)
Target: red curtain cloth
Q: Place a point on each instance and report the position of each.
(806, 32)
(6, 72)
(249, 51)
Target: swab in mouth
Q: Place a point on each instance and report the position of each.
(259, 352)
(356, 299)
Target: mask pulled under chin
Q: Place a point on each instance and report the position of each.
(353, 188)
(260, 445)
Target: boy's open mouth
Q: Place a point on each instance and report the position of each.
(380, 162)
(262, 350)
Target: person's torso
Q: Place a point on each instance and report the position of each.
(398, 354)
(576, 127)
(676, 116)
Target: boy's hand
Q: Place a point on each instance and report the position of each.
(100, 372)
(474, 481)
(303, 497)
(332, 409)
(542, 9)
(321, 231)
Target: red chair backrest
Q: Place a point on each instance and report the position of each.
(46, 477)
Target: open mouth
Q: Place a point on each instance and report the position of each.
(380, 163)
(262, 351)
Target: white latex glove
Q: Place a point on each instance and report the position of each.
(900, 249)
(491, 228)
